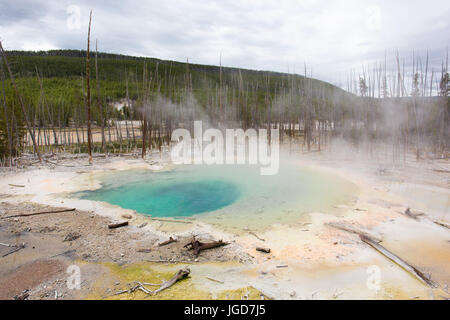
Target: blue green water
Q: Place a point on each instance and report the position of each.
(226, 195)
(164, 194)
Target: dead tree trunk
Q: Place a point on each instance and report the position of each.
(88, 98)
(5, 108)
(100, 105)
(27, 121)
(198, 246)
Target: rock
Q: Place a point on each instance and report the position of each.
(292, 293)
(127, 216)
(72, 236)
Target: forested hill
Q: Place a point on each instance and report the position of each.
(117, 67)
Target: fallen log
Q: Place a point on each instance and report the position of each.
(38, 213)
(351, 230)
(402, 263)
(198, 246)
(265, 250)
(390, 255)
(118, 225)
(167, 242)
(442, 224)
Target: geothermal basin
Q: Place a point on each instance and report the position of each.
(231, 196)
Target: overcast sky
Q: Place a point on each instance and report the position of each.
(330, 36)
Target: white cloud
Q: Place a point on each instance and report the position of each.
(332, 36)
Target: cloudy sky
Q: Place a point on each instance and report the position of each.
(331, 36)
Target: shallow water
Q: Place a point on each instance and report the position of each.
(230, 196)
(165, 195)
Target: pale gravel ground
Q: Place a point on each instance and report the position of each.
(323, 262)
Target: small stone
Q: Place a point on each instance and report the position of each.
(72, 236)
(127, 216)
(292, 293)
(122, 255)
(196, 260)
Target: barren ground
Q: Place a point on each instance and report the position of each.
(307, 261)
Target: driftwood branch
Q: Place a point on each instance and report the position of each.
(180, 275)
(442, 224)
(265, 250)
(415, 215)
(390, 255)
(198, 246)
(38, 213)
(352, 230)
(167, 242)
(118, 225)
(214, 280)
(256, 236)
(402, 263)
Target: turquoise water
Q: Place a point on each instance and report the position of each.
(226, 195)
(165, 194)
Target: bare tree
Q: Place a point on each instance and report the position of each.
(88, 98)
(22, 105)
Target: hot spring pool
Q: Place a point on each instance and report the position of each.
(233, 196)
